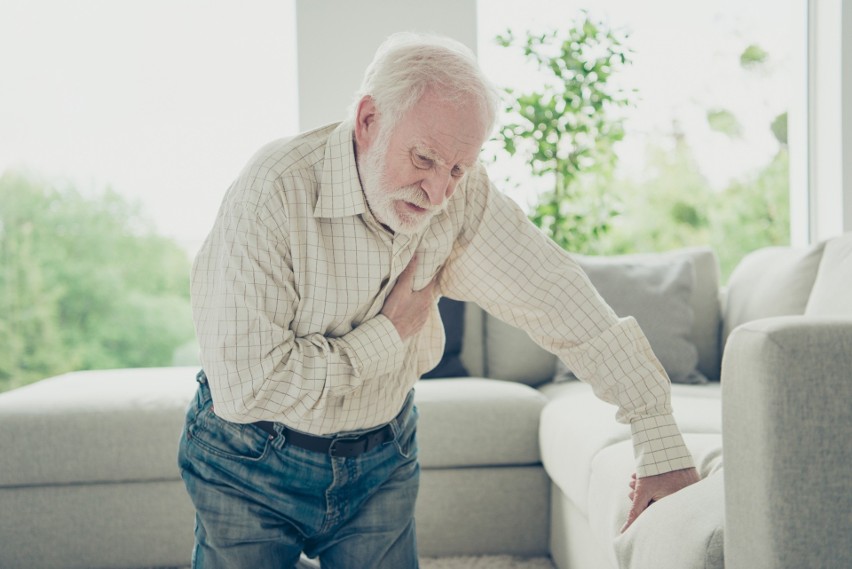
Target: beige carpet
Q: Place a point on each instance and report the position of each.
(468, 562)
(487, 562)
(473, 562)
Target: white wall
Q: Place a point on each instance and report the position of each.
(846, 96)
(336, 40)
(797, 127)
(830, 117)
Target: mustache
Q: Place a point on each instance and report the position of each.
(418, 197)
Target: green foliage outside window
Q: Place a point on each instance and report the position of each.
(676, 207)
(567, 131)
(85, 283)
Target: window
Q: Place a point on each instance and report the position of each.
(162, 103)
(160, 100)
(704, 156)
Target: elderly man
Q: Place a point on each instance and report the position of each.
(315, 306)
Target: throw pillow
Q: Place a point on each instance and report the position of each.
(832, 291)
(526, 362)
(657, 292)
(772, 281)
(452, 316)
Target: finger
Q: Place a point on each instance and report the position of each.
(632, 515)
(640, 504)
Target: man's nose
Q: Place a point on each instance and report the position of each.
(437, 185)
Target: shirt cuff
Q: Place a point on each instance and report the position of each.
(375, 347)
(658, 446)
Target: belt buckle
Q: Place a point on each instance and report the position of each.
(349, 446)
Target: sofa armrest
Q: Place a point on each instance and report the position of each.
(787, 439)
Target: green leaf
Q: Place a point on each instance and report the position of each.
(779, 128)
(753, 56)
(724, 121)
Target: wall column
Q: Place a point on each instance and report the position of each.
(830, 117)
(336, 40)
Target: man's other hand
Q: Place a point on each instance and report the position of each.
(645, 491)
(408, 309)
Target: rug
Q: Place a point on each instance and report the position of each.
(487, 562)
(470, 562)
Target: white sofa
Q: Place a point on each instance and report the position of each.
(512, 462)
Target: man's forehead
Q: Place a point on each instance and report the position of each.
(464, 154)
(449, 132)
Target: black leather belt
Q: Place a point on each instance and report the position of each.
(340, 446)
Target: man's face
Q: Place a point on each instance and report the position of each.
(410, 173)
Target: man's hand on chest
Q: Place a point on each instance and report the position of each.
(408, 309)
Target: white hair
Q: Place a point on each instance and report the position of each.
(408, 64)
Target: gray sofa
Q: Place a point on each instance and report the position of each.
(513, 461)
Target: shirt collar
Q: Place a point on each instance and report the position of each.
(340, 192)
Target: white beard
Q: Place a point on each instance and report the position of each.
(386, 203)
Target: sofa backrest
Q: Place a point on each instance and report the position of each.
(831, 294)
(787, 281)
(497, 350)
(773, 281)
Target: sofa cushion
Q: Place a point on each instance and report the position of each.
(477, 422)
(130, 421)
(704, 301)
(590, 459)
(576, 426)
(706, 310)
(832, 291)
(525, 361)
(95, 426)
(696, 515)
(511, 355)
(773, 281)
(657, 292)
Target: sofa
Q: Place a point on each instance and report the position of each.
(518, 457)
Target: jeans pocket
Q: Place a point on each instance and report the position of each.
(232, 441)
(406, 435)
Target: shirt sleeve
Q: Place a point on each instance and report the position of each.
(511, 269)
(244, 301)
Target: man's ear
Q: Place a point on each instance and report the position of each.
(366, 123)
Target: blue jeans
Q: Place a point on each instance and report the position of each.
(261, 502)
